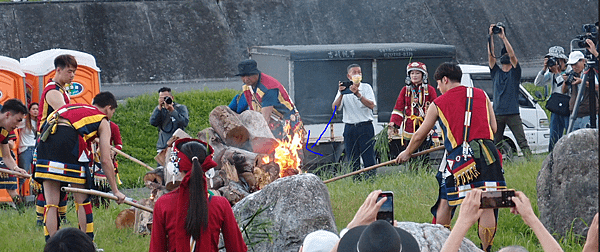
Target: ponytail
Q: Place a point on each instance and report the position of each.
(197, 213)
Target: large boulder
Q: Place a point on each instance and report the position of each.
(567, 184)
(295, 206)
(431, 237)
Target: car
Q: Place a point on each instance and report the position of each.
(535, 121)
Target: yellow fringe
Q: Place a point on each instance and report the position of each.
(466, 175)
(488, 235)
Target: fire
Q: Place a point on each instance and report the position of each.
(286, 153)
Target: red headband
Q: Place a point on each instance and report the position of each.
(184, 163)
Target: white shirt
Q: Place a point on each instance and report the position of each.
(354, 111)
(26, 137)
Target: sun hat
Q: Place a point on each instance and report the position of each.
(379, 236)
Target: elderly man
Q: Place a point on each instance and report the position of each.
(266, 95)
(577, 62)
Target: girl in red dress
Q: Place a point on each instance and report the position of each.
(189, 218)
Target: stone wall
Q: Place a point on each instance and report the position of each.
(146, 41)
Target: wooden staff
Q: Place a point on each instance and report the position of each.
(131, 158)
(14, 173)
(105, 195)
(441, 147)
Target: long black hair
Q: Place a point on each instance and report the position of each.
(197, 214)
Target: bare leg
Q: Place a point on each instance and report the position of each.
(487, 228)
(85, 217)
(52, 195)
(444, 214)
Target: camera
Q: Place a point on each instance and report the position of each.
(552, 61)
(347, 84)
(386, 212)
(497, 199)
(571, 77)
(496, 29)
(168, 100)
(589, 32)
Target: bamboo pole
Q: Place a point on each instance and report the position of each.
(131, 158)
(441, 147)
(14, 173)
(105, 195)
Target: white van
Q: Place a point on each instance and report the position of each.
(535, 121)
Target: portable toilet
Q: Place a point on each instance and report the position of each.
(12, 80)
(39, 69)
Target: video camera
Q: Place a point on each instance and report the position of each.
(589, 32)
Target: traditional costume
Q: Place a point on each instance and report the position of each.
(472, 160)
(268, 92)
(8, 182)
(71, 129)
(170, 211)
(45, 110)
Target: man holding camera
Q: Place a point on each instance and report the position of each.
(507, 79)
(168, 116)
(551, 75)
(357, 106)
(573, 78)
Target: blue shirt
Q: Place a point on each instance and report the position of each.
(506, 90)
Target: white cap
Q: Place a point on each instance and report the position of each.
(574, 57)
(319, 241)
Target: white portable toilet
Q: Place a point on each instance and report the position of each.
(39, 69)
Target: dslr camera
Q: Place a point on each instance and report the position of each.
(571, 77)
(168, 100)
(552, 61)
(496, 29)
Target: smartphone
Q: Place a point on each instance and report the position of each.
(346, 84)
(497, 199)
(386, 212)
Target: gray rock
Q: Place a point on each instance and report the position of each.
(431, 237)
(297, 205)
(567, 184)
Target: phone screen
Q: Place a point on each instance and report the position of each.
(386, 212)
(497, 199)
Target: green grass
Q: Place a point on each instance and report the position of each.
(19, 232)
(139, 137)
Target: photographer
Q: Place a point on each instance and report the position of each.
(168, 116)
(506, 79)
(357, 107)
(573, 78)
(551, 75)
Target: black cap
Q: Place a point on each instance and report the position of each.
(378, 236)
(247, 67)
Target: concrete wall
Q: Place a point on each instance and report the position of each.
(146, 41)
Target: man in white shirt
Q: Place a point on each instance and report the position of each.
(357, 107)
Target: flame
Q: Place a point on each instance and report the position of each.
(286, 153)
(266, 160)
